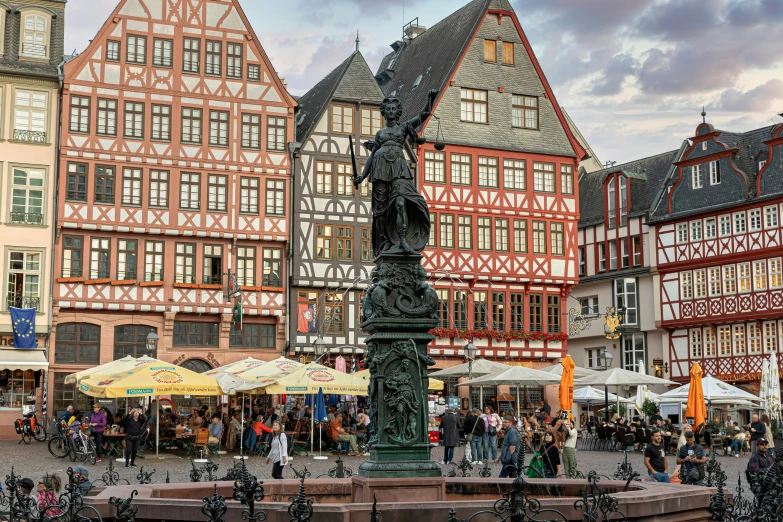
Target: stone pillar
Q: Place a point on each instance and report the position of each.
(398, 311)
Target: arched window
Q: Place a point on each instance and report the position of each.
(623, 201)
(77, 343)
(196, 365)
(610, 204)
(36, 28)
(132, 340)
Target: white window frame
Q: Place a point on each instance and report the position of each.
(32, 278)
(697, 180)
(682, 233)
(696, 231)
(714, 173)
(30, 191)
(759, 275)
(744, 278)
(468, 105)
(710, 228)
(740, 223)
(686, 285)
(132, 182)
(636, 353)
(434, 166)
(739, 340)
(613, 254)
(770, 334)
(753, 339)
(621, 288)
(601, 257)
(699, 284)
(695, 343)
(724, 228)
(724, 341)
(2, 31)
(32, 116)
(709, 341)
(771, 217)
(38, 46)
(715, 281)
(729, 279)
(754, 220)
(775, 271)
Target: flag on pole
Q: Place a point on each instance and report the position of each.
(23, 321)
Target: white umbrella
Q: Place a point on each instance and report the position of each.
(650, 396)
(620, 377)
(479, 367)
(774, 394)
(557, 369)
(764, 384)
(714, 390)
(589, 395)
(515, 376)
(641, 391)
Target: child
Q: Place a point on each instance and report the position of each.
(75, 427)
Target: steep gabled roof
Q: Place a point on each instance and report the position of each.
(352, 80)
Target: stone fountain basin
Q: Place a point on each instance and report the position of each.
(405, 500)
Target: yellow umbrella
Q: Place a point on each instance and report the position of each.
(120, 365)
(435, 384)
(158, 378)
(697, 407)
(309, 379)
(567, 385)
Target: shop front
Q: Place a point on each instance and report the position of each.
(22, 377)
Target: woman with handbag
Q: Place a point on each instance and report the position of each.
(490, 438)
(135, 425)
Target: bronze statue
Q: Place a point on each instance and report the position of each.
(401, 218)
(403, 405)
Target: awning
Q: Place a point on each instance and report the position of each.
(22, 359)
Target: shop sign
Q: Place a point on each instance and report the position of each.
(739, 377)
(9, 341)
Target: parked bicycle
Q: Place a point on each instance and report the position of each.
(76, 446)
(29, 427)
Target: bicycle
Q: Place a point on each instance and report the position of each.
(83, 449)
(29, 428)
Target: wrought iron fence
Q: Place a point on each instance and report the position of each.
(26, 218)
(18, 301)
(68, 507)
(29, 136)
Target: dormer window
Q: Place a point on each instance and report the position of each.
(2, 31)
(703, 145)
(617, 201)
(610, 198)
(696, 178)
(623, 201)
(714, 173)
(761, 164)
(35, 34)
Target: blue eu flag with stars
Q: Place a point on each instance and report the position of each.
(23, 321)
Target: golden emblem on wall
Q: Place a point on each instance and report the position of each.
(612, 320)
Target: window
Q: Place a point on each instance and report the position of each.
(185, 263)
(112, 51)
(464, 232)
(191, 125)
(760, 275)
(324, 235)
(514, 174)
(739, 339)
(633, 352)
(371, 122)
(127, 255)
(334, 309)
(743, 277)
(189, 191)
(253, 72)
(213, 265)
(508, 53)
(162, 52)
(582, 264)
(30, 116)
(724, 341)
(251, 131)
(73, 254)
(754, 339)
(754, 219)
(739, 223)
(710, 231)
(591, 357)
(460, 169)
(131, 187)
(484, 231)
(434, 167)
(625, 298)
(761, 164)
(80, 114)
(601, 257)
(234, 60)
(729, 280)
(136, 49)
(499, 311)
(161, 122)
(623, 201)
(480, 310)
(557, 239)
(539, 237)
(490, 51)
(24, 279)
(520, 236)
(27, 191)
(517, 311)
(524, 112)
(107, 117)
(275, 134)
(771, 217)
(536, 317)
(695, 230)
(446, 231)
(775, 273)
(460, 309)
(487, 172)
(544, 177)
(696, 348)
(324, 177)
(433, 240)
(699, 284)
(104, 184)
(134, 120)
(553, 314)
(624, 253)
(589, 305)
(218, 128)
(686, 285)
(100, 253)
(217, 189)
(275, 197)
(153, 261)
(344, 180)
(131, 340)
(714, 173)
(682, 233)
(637, 250)
(501, 234)
(272, 276)
(342, 119)
(611, 204)
(567, 179)
(696, 177)
(709, 342)
(196, 334)
(725, 225)
(715, 281)
(366, 236)
(613, 254)
(443, 308)
(770, 337)
(246, 266)
(159, 188)
(253, 336)
(77, 343)
(191, 58)
(35, 35)
(248, 196)
(213, 65)
(473, 105)
(344, 243)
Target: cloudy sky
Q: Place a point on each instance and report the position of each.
(633, 74)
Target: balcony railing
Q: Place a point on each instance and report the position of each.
(72, 272)
(185, 278)
(34, 50)
(128, 275)
(212, 280)
(18, 301)
(153, 277)
(25, 218)
(99, 274)
(29, 136)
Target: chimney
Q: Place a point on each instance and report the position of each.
(413, 30)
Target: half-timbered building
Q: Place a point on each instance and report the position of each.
(332, 252)
(174, 170)
(498, 171)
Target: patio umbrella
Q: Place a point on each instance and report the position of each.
(714, 390)
(620, 377)
(479, 367)
(557, 369)
(319, 412)
(697, 406)
(566, 394)
(589, 395)
(764, 384)
(641, 390)
(519, 376)
(774, 393)
(120, 365)
(310, 379)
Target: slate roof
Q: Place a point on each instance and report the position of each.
(352, 80)
(10, 62)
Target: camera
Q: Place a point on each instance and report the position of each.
(564, 415)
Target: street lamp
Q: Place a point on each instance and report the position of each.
(605, 360)
(319, 347)
(152, 342)
(470, 354)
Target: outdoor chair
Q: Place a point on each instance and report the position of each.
(298, 446)
(201, 441)
(601, 434)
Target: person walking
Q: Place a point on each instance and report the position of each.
(655, 459)
(692, 459)
(474, 432)
(449, 426)
(551, 456)
(135, 426)
(98, 424)
(508, 452)
(761, 461)
(278, 451)
(768, 437)
(569, 449)
(490, 438)
(758, 430)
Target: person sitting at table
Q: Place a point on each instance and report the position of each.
(739, 442)
(215, 430)
(339, 434)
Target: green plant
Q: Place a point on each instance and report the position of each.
(613, 410)
(714, 427)
(649, 408)
(777, 429)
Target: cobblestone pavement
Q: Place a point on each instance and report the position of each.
(34, 461)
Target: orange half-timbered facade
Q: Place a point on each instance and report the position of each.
(174, 169)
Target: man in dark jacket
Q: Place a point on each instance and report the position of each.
(760, 462)
(474, 429)
(449, 426)
(758, 430)
(508, 452)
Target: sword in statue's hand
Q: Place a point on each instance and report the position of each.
(356, 180)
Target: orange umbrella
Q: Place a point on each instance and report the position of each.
(567, 385)
(697, 407)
